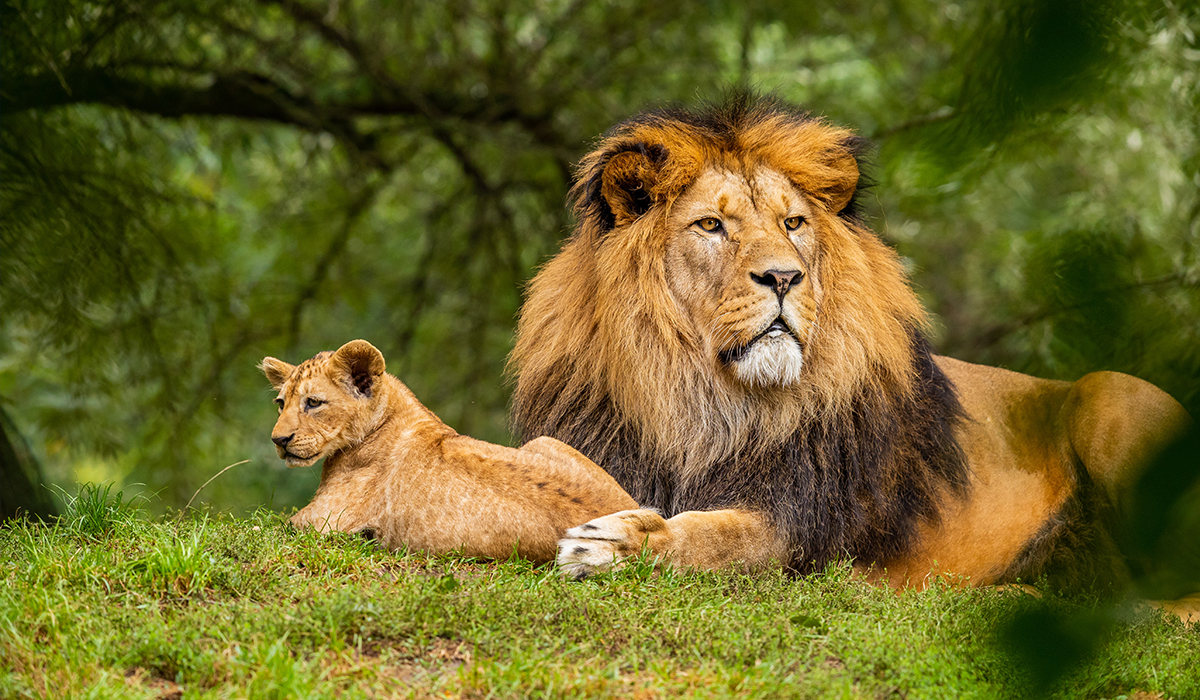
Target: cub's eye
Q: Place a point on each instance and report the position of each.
(793, 222)
(312, 402)
(710, 224)
(279, 404)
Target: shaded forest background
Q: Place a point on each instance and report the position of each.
(189, 186)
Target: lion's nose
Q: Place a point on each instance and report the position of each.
(282, 440)
(779, 280)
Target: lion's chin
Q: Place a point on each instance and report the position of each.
(297, 461)
(770, 361)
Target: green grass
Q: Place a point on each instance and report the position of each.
(110, 603)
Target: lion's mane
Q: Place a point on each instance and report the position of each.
(847, 462)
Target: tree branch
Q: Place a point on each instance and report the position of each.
(359, 206)
(243, 95)
(246, 95)
(939, 115)
(998, 332)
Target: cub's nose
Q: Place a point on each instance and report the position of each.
(282, 440)
(779, 280)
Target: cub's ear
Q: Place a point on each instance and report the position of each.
(360, 365)
(619, 182)
(277, 371)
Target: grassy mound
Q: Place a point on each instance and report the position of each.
(108, 602)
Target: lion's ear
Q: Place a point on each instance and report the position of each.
(276, 371)
(628, 181)
(360, 365)
(843, 181)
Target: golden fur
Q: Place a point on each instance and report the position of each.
(395, 471)
(805, 421)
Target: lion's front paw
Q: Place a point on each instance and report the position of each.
(601, 544)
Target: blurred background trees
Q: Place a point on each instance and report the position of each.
(189, 186)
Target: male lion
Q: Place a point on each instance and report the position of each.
(729, 340)
(395, 471)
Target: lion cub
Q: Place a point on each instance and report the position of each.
(396, 472)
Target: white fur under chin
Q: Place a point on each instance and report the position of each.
(771, 362)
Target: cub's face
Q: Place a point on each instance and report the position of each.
(741, 261)
(326, 404)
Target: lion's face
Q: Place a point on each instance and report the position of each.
(740, 261)
(313, 414)
(718, 292)
(325, 404)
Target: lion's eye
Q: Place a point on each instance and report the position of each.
(279, 404)
(710, 224)
(312, 402)
(793, 222)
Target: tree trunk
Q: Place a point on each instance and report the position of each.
(21, 489)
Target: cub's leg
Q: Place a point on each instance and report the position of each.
(594, 489)
(695, 539)
(557, 451)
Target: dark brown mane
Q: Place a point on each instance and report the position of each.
(856, 487)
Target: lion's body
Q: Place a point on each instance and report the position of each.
(1049, 463)
(726, 337)
(393, 469)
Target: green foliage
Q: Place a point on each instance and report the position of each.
(1053, 228)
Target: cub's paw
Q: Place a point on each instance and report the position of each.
(601, 544)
